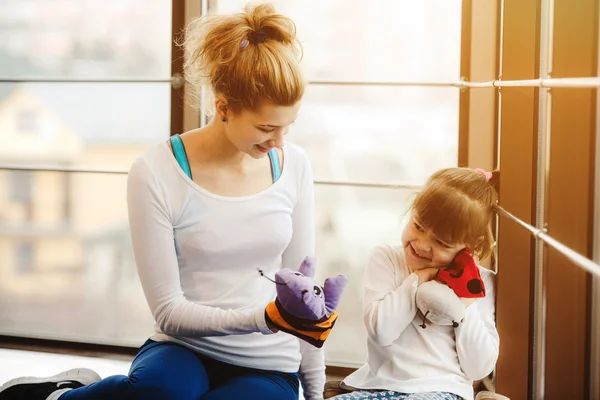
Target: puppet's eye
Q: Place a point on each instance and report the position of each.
(317, 291)
(298, 274)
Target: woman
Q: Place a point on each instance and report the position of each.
(207, 211)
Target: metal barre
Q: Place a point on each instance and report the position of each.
(583, 82)
(592, 82)
(572, 255)
(51, 168)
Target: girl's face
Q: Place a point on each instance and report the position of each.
(423, 249)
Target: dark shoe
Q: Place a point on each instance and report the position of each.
(51, 388)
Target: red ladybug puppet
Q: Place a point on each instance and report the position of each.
(463, 276)
(439, 300)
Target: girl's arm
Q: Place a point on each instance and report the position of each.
(388, 308)
(477, 340)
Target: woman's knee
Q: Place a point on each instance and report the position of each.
(167, 371)
(164, 390)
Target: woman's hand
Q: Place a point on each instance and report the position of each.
(272, 326)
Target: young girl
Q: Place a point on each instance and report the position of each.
(405, 361)
(207, 210)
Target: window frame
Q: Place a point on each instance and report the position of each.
(184, 117)
(546, 332)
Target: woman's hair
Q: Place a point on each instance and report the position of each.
(248, 59)
(457, 205)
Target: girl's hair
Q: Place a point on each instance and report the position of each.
(249, 58)
(457, 205)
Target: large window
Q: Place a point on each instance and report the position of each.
(374, 134)
(353, 132)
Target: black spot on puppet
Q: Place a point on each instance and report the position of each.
(474, 286)
(458, 273)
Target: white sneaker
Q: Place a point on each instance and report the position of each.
(50, 388)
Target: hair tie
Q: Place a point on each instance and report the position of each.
(258, 36)
(488, 175)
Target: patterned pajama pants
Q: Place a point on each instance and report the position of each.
(389, 395)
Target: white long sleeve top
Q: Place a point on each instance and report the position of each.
(404, 357)
(198, 255)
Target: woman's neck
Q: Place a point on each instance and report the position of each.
(211, 145)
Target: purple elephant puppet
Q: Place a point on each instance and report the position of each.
(302, 307)
(302, 297)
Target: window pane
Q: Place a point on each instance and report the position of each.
(85, 39)
(72, 275)
(381, 40)
(378, 134)
(67, 268)
(89, 124)
(350, 221)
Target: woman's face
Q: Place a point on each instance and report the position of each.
(257, 132)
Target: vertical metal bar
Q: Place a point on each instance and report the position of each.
(203, 118)
(465, 74)
(595, 325)
(500, 59)
(177, 23)
(543, 141)
(501, 39)
(500, 42)
(550, 38)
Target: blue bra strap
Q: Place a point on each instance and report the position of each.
(275, 166)
(180, 156)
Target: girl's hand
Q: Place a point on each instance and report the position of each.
(468, 302)
(426, 274)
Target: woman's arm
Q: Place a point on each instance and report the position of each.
(302, 244)
(154, 250)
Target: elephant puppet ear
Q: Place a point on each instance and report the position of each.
(307, 268)
(333, 292)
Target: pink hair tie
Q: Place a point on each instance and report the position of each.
(488, 175)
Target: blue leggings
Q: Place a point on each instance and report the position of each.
(167, 371)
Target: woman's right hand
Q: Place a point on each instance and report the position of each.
(314, 332)
(274, 328)
(426, 274)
